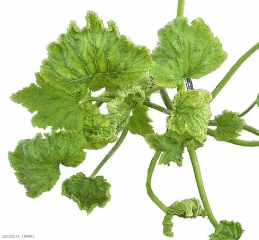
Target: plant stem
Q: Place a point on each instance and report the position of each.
(239, 142)
(251, 130)
(148, 183)
(198, 177)
(157, 107)
(181, 86)
(248, 109)
(152, 90)
(231, 72)
(110, 153)
(180, 8)
(167, 101)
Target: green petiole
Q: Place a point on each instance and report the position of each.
(180, 8)
(157, 107)
(167, 101)
(248, 109)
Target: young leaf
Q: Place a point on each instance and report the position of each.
(36, 161)
(229, 124)
(188, 208)
(54, 107)
(87, 192)
(139, 122)
(94, 56)
(172, 145)
(191, 115)
(227, 230)
(185, 52)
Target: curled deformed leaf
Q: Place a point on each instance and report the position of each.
(88, 193)
(36, 161)
(185, 51)
(94, 57)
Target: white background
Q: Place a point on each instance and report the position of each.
(230, 173)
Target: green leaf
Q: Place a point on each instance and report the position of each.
(229, 124)
(139, 122)
(94, 56)
(54, 107)
(188, 208)
(36, 161)
(87, 192)
(191, 113)
(185, 52)
(257, 100)
(172, 145)
(227, 231)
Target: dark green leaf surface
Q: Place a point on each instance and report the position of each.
(94, 56)
(36, 161)
(87, 192)
(185, 51)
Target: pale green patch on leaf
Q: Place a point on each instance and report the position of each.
(139, 122)
(88, 193)
(36, 161)
(54, 107)
(191, 113)
(185, 52)
(229, 125)
(188, 208)
(172, 145)
(94, 56)
(227, 231)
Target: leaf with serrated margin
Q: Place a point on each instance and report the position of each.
(139, 122)
(191, 113)
(188, 208)
(94, 56)
(229, 125)
(36, 161)
(172, 145)
(227, 231)
(185, 51)
(54, 107)
(87, 192)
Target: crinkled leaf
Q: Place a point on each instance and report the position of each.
(191, 115)
(139, 122)
(227, 231)
(185, 52)
(123, 103)
(229, 124)
(94, 56)
(188, 208)
(172, 145)
(36, 161)
(54, 107)
(87, 192)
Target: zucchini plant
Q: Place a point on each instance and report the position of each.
(94, 67)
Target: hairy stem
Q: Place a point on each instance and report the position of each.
(157, 107)
(110, 153)
(148, 183)
(180, 8)
(152, 90)
(251, 130)
(231, 72)
(248, 109)
(198, 177)
(239, 142)
(167, 101)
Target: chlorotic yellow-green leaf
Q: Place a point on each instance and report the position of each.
(185, 51)
(94, 56)
(36, 161)
(229, 125)
(172, 145)
(88, 193)
(139, 122)
(191, 113)
(54, 107)
(227, 231)
(188, 208)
